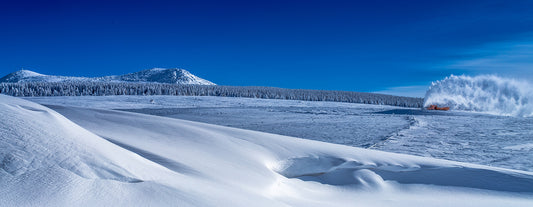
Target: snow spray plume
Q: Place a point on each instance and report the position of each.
(486, 93)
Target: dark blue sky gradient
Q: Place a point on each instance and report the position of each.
(333, 45)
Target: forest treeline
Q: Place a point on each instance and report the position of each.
(146, 89)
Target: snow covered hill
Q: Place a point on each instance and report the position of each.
(162, 75)
(95, 157)
(155, 75)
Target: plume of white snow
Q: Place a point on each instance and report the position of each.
(485, 93)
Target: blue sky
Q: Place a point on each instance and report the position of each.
(395, 47)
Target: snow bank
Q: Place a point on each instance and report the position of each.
(35, 137)
(485, 93)
(182, 163)
(43, 153)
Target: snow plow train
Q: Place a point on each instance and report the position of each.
(435, 107)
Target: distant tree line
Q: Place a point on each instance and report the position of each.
(145, 89)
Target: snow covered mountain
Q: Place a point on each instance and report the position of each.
(162, 75)
(155, 75)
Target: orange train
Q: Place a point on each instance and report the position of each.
(435, 107)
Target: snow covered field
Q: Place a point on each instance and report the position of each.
(101, 157)
(501, 141)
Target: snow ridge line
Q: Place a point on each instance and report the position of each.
(413, 122)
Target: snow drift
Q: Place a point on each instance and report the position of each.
(45, 159)
(485, 93)
(34, 137)
(113, 158)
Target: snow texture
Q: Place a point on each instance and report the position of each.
(155, 161)
(453, 135)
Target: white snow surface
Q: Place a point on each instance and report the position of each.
(163, 101)
(100, 157)
(472, 137)
(155, 75)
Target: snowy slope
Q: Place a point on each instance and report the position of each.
(157, 75)
(47, 159)
(172, 162)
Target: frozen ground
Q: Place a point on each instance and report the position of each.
(467, 137)
(341, 123)
(91, 157)
(500, 141)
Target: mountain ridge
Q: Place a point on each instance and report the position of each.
(154, 75)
